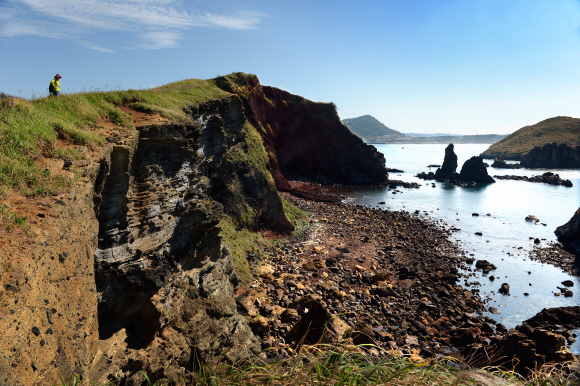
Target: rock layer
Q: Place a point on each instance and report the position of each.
(552, 156)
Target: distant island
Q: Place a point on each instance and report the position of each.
(559, 130)
(372, 130)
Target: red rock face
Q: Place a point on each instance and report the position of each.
(305, 139)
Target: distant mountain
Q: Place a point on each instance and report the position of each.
(368, 127)
(413, 135)
(562, 130)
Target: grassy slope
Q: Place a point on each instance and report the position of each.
(558, 129)
(29, 128)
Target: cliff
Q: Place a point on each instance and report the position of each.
(562, 130)
(305, 139)
(128, 271)
(119, 263)
(570, 232)
(552, 155)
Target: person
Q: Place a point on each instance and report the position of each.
(54, 87)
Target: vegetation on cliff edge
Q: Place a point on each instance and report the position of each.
(48, 126)
(558, 129)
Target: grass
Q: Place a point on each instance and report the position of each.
(559, 129)
(343, 365)
(9, 220)
(31, 128)
(241, 242)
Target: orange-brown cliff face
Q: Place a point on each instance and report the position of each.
(305, 139)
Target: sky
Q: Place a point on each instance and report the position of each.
(423, 66)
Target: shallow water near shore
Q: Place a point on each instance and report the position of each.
(502, 208)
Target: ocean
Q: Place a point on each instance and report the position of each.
(502, 207)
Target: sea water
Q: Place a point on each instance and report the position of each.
(502, 207)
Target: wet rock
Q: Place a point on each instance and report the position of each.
(532, 218)
(504, 289)
(568, 283)
(570, 232)
(484, 265)
(500, 163)
(474, 170)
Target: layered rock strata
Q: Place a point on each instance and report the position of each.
(552, 156)
(131, 266)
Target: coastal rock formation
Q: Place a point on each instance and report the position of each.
(500, 163)
(546, 178)
(130, 271)
(305, 139)
(541, 339)
(449, 167)
(552, 156)
(570, 232)
(473, 170)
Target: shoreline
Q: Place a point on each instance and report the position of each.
(391, 276)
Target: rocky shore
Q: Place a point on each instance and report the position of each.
(546, 178)
(389, 278)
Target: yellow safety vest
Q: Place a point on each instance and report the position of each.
(56, 84)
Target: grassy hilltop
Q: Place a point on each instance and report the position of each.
(558, 129)
(33, 128)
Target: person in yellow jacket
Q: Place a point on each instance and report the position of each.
(54, 88)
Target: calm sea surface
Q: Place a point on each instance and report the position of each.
(506, 235)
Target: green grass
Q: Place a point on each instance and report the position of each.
(241, 242)
(342, 365)
(30, 128)
(559, 129)
(9, 220)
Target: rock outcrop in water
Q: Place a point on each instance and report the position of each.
(546, 178)
(570, 232)
(473, 170)
(448, 171)
(500, 163)
(552, 155)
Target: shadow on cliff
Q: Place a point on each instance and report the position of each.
(305, 140)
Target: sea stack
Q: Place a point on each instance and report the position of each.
(449, 167)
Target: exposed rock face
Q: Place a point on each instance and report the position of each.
(305, 139)
(570, 232)
(500, 163)
(449, 168)
(474, 170)
(552, 156)
(48, 312)
(541, 339)
(132, 268)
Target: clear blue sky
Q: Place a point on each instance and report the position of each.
(457, 66)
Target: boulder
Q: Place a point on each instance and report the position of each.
(474, 170)
(570, 232)
(505, 289)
